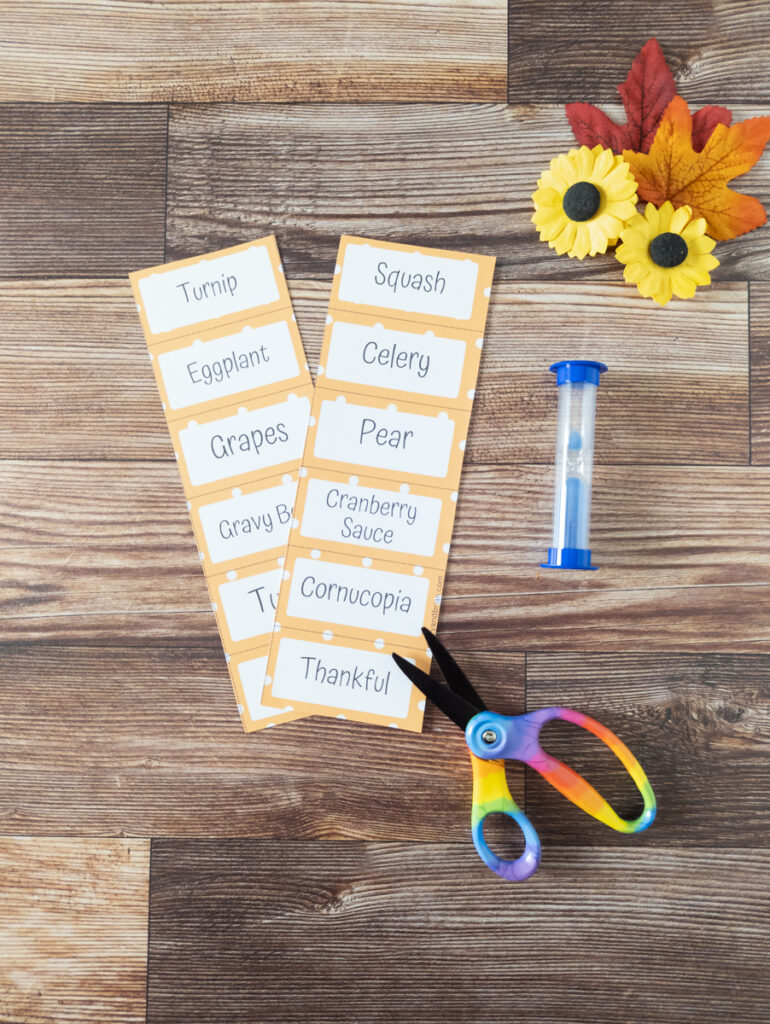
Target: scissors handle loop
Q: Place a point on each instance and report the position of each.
(492, 796)
(497, 736)
(575, 788)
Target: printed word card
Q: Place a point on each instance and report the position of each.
(379, 478)
(236, 392)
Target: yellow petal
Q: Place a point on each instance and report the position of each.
(634, 272)
(637, 238)
(603, 163)
(562, 239)
(694, 229)
(552, 228)
(638, 223)
(582, 242)
(598, 238)
(704, 262)
(625, 190)
(652, 216)
(623, 209)
(566, 238)
(618, 175)
(664, 217)
(585, 163)
(628, 253)
(664, 290)
(560, 174)
(700, 246)
(680, 219)
(545, 217)
(546, 213)
(547, 197)
(648, 284)
(682, 285)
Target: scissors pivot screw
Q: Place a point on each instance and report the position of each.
(489, 736)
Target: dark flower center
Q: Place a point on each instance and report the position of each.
(668, 249)
(581, 200)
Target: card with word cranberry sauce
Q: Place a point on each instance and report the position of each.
(378, 484)
(236, 392)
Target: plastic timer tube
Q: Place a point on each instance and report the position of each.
(577, 381)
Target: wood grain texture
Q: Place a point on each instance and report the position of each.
(102, 401)
(563, 50)
(254, 50)
(103, 553)
(700, 725)
(73, 944)
(302, 931)
(760, 373)
(457, 176)
(147, 741)
(83, 187)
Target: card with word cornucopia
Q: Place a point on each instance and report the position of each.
(676, 162)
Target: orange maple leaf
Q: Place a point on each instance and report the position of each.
(673, 170)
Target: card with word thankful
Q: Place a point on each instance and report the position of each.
(378, 485)
(236, 392)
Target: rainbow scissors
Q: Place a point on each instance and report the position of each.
(492, 739)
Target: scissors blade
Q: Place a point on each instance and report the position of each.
(452, 704)
(451, 671)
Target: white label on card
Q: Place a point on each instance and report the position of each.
(214, 287)
(249, 604)
(340, 677)
(205, 371)
(248, 523)
(371, 517)
(245, 442)
(395, 360)
(410, 281)
(384, 438)
(252, 676)
(354, 596)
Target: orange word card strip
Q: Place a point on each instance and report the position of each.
(378, 485)
(236, 392)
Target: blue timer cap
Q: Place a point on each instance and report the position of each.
(574, 371)
(568, 558)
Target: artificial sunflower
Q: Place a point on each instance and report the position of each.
(584, 201)
(666, 253)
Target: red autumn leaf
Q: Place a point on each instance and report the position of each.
(704, 121)
(673, 170)
(646, 92)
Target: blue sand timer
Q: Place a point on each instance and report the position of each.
(578, 382)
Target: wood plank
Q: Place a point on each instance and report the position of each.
(148, 743)
(457, 176)
(254, 50)
(724, 618)
(687, 361)
(103, 553)
(677, 390)
(699, 724)
(146, 740)
(760, 373)
(81, 343)
(83, 186)
(391, 932)
(74, 942)
(562, 50)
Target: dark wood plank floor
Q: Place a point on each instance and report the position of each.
(158, 865)
(409, 931)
